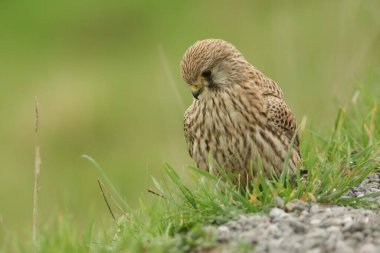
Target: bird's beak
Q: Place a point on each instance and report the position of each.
(196, 90)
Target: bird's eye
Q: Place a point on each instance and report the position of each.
(206, 73)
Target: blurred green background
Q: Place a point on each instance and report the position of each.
(107, 77)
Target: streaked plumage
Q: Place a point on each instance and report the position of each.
(238, 114)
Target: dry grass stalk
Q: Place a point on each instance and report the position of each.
(105, 199)
(37, 168)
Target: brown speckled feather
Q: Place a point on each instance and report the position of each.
(281, 117)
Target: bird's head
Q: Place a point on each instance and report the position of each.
(211, 64)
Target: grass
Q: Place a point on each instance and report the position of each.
(181, 218)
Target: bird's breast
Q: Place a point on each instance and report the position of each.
(220, 129)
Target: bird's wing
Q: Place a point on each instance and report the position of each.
(280, 117)
(278, 113)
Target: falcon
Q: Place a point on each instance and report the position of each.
(238, 119)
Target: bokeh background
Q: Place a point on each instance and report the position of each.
(107, 77)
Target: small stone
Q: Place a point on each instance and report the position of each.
(224, 233)
(347, 220)
(368, 248)
(223, 229)
(277, 213)
(315, 209)
(315, 250)
(374, 175)
(295, 205)
(304, 214)
(249, 236)
(256, 220)
(358, 236)
(273, 229)
(279, 202)
(315, 221)
(352, 243)
(356, 227)
(334, 222)
(333, 229)
(342, 247)
(373, 189)
(297, 226)
(242, 218)
(314, 239)
(234, 226)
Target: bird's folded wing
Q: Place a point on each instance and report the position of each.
(280, 117)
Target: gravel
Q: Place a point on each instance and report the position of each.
(370, 184)
(308, 228)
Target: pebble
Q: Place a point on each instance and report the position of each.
(368, 248)
(277, 213)
(295, 205)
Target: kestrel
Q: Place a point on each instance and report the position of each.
(237, 115)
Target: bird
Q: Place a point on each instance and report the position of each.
(238, 121)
